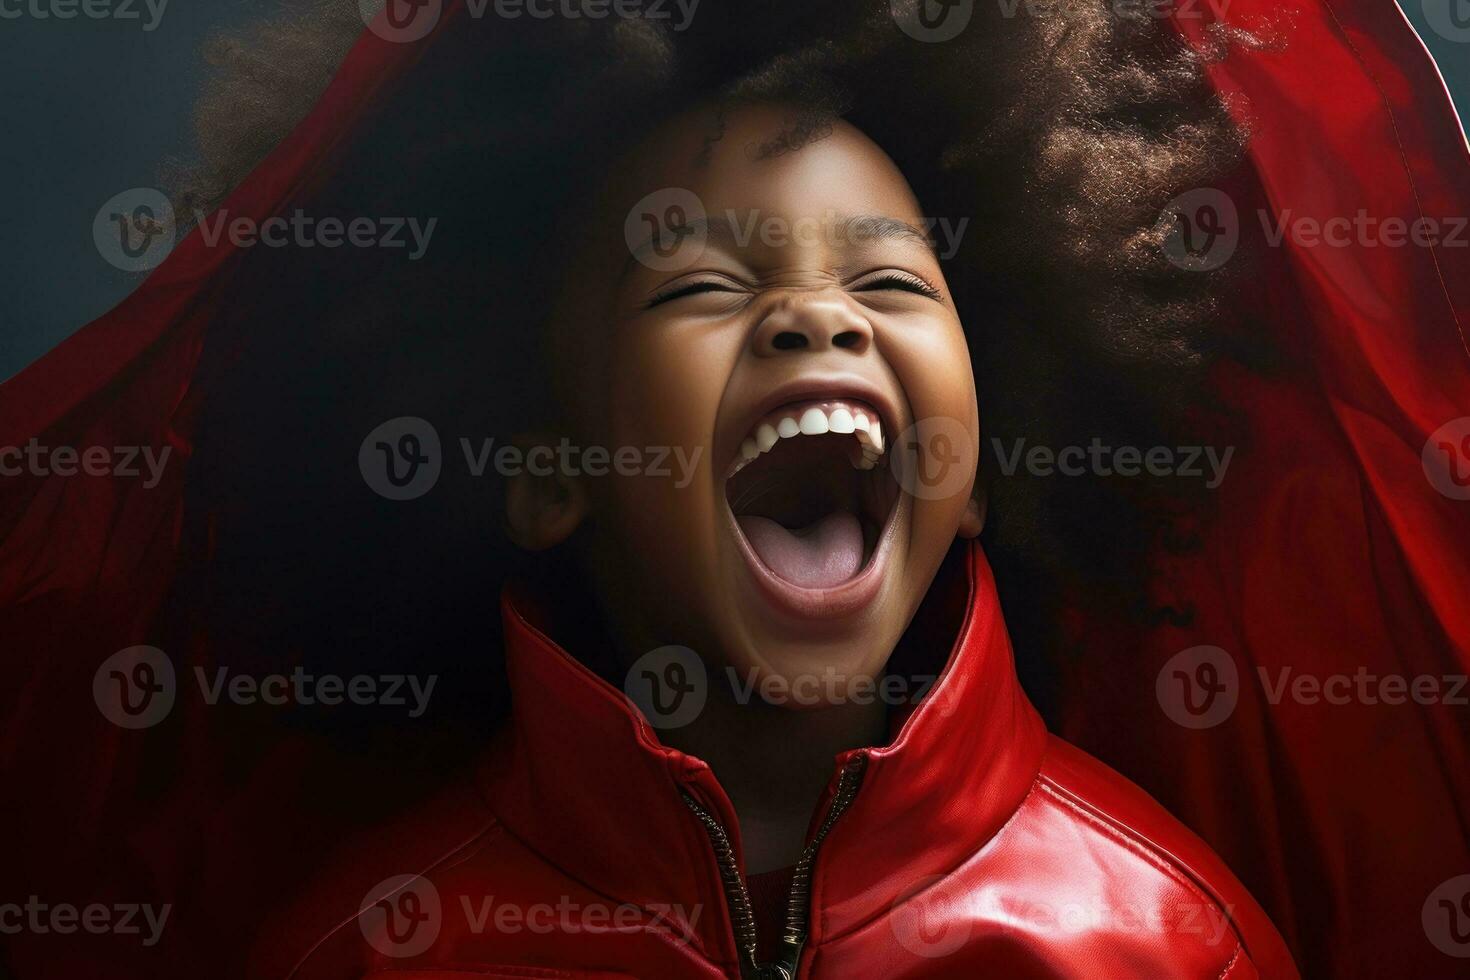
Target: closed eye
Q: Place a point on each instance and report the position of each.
(896, 280)
(694, 288)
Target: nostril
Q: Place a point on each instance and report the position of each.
(788, 340)
(848, 338)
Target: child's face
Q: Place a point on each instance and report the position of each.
(805, 562)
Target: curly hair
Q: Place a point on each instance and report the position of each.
(1060, 133)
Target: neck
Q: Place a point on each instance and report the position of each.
(774, 763)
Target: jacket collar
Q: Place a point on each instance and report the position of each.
(581, 778)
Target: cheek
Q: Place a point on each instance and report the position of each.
(933, 366)
(665, 391)
(664, 396)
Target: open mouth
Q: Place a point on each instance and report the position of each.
(810, 494)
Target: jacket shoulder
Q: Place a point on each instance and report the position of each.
(1163, 862)
(321, 920)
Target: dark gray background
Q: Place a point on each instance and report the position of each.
(94, 106)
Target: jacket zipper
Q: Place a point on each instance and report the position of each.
(798, 902)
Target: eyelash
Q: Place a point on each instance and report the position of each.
(688, 289)
(903, 281)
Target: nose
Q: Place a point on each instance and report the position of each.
(811, 322)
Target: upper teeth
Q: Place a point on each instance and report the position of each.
(816, 421)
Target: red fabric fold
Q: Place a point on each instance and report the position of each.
(1334, 553)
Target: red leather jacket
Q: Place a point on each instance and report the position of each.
(974, 843)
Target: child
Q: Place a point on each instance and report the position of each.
(751, 285)
(951, 836)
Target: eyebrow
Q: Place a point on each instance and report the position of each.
(851, 228)
(881, 227)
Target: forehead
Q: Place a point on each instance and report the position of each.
(726, 165)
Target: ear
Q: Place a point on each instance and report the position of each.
(972, 521)
(543, 505)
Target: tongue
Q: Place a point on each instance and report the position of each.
(820, 556)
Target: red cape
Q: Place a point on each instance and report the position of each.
(1333, 554)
